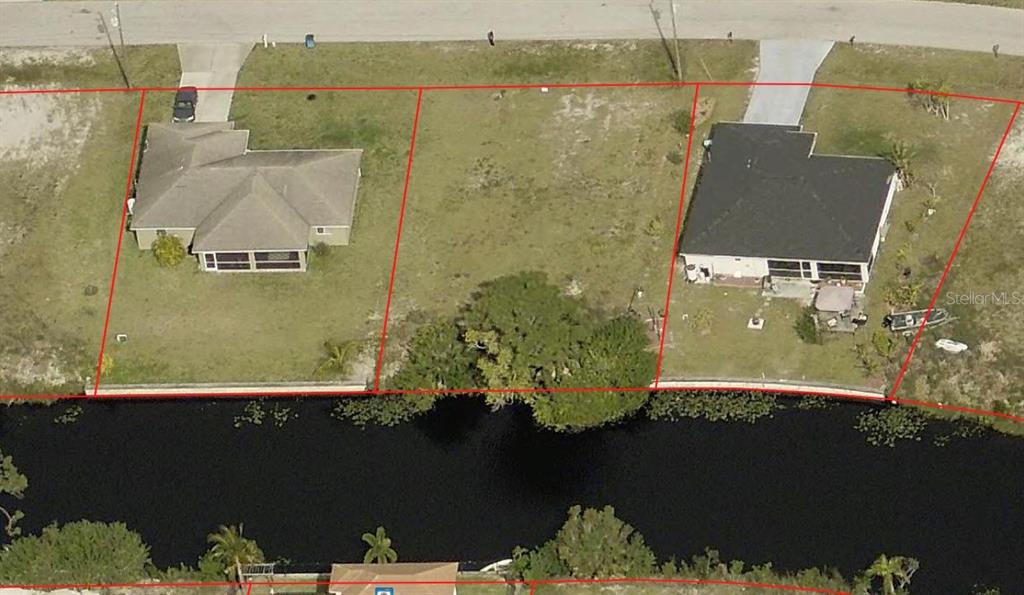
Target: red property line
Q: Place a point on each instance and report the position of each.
(457, 392)
(376, 392)
(952, 257)
(120, 236)
(675, 241)
(398, 239)
(532, 584)
(853, 87)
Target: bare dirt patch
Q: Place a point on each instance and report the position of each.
(35, 127)
(1011, 159)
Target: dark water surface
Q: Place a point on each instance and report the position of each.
(802, 489)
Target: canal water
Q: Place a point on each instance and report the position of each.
(801, 489)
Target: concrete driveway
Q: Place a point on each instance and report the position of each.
(790, 61)
(212, 65)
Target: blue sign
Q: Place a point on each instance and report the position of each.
(383, 591)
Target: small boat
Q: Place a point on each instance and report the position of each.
(909, 321)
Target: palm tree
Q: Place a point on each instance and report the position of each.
(338, 359)
(232, 550)
(891, 570)
(900, 154)
(380, 550)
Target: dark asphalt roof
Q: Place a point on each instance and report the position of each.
(761, 193)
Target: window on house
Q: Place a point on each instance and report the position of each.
(784, 268)
(161, 233)
(232, 257)
(320, 231)
(233, 261)
(233, 266)
(278, 260)
(276, 256)
(839, 270)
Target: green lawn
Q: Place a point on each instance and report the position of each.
(59, 216)
(189, 326)
(461, 63)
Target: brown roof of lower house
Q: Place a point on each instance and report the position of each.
(203, 177)
(406, 578)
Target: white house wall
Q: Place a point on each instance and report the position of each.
(729, 266)
(146, 237)
(746, 266)
(893, 183)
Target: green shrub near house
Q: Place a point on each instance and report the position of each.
(168, 250)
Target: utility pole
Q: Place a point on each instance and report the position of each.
(675, 36)
(119, 24)
(113, 50)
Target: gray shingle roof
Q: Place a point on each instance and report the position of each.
(203, 177)
(761, 193)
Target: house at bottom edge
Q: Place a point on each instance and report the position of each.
(241, 210)
(765, 205)
(396, 578)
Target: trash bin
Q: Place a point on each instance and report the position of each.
(310, 42)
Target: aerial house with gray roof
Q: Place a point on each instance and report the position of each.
(241, 210)
(765, 205)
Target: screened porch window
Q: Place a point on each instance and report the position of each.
(828, 270)
(784, 268)
(277, 260)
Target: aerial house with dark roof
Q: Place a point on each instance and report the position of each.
(240, 210)
(765, 205)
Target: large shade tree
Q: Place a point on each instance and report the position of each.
(591, 544)
(79, 552)
(13, 485)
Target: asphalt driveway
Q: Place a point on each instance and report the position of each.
(784, 60)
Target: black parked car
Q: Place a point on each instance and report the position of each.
(185, 104)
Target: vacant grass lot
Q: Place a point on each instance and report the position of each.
(707, 328)
(575, 183)
(185, 325)
(985, 290)
(63, 169)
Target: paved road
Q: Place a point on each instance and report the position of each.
(901, 22)
(784, 61)
(212, 65)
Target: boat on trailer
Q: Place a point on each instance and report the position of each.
(901, 322)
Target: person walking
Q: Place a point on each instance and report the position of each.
(490, 38)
